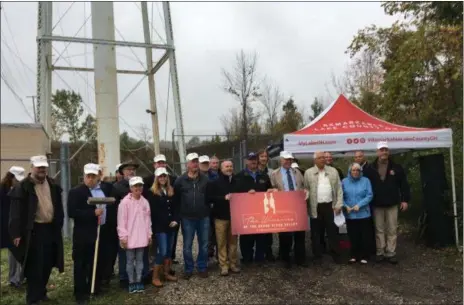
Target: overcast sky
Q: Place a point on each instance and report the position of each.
(299, 45)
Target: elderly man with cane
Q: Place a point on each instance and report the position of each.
(36, 221)
(87, 218)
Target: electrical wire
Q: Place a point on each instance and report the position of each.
(62, 16)
(132, 50)
(17, 96)
(15, 46)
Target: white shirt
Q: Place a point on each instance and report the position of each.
(324, 189)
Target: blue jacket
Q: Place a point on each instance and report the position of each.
(357, 192)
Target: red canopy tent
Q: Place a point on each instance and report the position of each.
(343, 128)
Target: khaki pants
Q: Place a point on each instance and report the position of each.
(226, 244)
(386, 224)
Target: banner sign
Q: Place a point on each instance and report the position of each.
(275, 212)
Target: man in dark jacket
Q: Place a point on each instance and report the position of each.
(251, 180)
(86, 218)
(120, 190)
(190, 191)
(391, 189)
(219, 192)
(263, 167)
(36, 221)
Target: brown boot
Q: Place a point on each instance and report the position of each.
(167, 268)
(156, 276)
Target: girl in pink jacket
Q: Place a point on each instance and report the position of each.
(134, 230)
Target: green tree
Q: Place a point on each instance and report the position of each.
(67, 110)
(421, 59)
(317, 107)
(291, 119)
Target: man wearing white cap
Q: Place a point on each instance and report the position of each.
(86, 219)
(391, 189)
(288, 179)
(10, 180)
(190, 192)
(117, 174)
(159, 161)
(36, 207)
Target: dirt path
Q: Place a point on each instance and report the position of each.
(423, 276)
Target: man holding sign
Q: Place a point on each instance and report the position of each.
(288, 179)
(251, 180)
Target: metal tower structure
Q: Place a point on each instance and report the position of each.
(105, 69)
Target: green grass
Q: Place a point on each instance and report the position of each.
(60, 286)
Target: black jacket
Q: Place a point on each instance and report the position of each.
(192, 196)
(83, 214)
(393, 190)
(23, 209)
(245, 182)
(164, 209)
(5, 202)
(217, 190)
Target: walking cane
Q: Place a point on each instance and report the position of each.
(97, 201)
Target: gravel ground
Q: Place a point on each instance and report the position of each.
(423, 276)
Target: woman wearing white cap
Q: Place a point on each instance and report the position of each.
(165, 220)
(11, 178)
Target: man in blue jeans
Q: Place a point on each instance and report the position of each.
(190, 192)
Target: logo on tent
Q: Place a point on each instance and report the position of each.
(355, 140)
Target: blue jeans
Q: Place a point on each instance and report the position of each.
(164, 244)
(122, 262)
(201, 228)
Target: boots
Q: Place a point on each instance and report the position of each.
(156, 276)
(167, 269)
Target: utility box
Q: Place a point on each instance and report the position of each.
(19, 142)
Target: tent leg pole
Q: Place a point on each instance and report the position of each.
(453, 187)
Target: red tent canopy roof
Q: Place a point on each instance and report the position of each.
(342, 116)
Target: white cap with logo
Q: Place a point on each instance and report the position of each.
(91, 168)
(159, 158)
(135, 180)
(161, 171)
(203, 159)
(295, 165)
(381, 145)
(39, 161)
(117, 167)
(286, 155)
(18, 172)
(192, 156)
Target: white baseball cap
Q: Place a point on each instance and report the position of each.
(203, 159)
(18, 172)
(91, 168)
(286, 155)
(135, 180)
(381, 145)
(192, 156)
(161, 171)
(294, 165)
(117, 167)
(159, 158)
(39, 161)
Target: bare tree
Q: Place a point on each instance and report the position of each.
(231, 123)
(145, 133)
(272, 100)
(242, 82)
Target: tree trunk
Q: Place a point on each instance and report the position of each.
(244, 121)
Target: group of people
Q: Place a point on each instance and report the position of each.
(141, 227)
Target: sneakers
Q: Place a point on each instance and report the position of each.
(235, 269)
(140, 287)
(224, 272)
(132, 288)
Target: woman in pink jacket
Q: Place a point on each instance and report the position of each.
(134, 230)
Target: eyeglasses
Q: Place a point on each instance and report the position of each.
(355, 170)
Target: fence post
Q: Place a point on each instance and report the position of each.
(65, 184)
